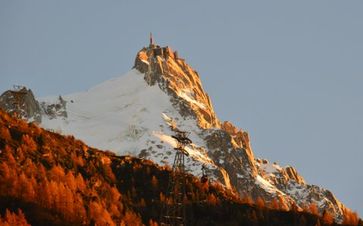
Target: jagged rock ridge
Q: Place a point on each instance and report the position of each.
(178, 80)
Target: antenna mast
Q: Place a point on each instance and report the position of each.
(151, 40)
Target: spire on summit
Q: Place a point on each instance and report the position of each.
(151, 40)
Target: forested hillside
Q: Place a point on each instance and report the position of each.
(50, 179)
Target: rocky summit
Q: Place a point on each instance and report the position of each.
(21, 101)
(137, 114)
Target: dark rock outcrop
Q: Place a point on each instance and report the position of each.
(57, 109)
(22, 103)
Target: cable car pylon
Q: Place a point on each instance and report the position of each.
(173, 211)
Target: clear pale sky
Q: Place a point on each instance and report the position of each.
(289, 72)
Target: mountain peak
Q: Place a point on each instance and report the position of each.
(135, 114)
(163, 66)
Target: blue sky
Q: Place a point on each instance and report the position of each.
(288, 72)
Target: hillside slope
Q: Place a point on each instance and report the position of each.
(58, 180)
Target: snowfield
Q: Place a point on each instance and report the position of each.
(125, 115)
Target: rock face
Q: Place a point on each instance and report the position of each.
(162, 67)
(134, 114)
(55, 109)
(288, 181)
(228, 146)
(21, 102)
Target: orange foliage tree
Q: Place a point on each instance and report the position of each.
(350, 217)
(275, 204)
(260, 203)
(313, 209)
(212, 199)
(328, 218)
(11, 219)
(154, 182)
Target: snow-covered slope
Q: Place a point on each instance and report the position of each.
(134, 113)
(127, 116)
(118, 115)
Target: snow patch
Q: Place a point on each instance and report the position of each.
(266, 185)
(188, 95)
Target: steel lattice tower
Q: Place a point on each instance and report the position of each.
(173, 212)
